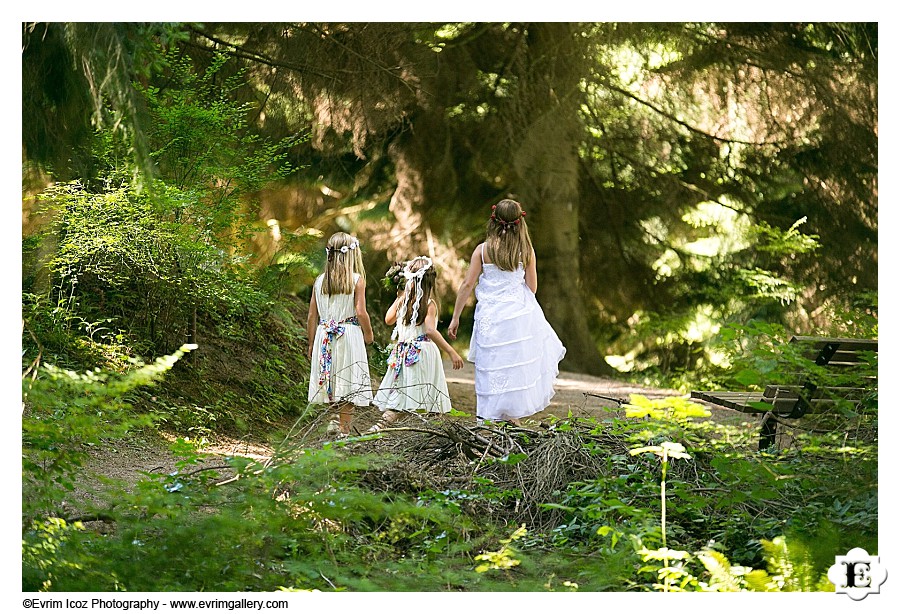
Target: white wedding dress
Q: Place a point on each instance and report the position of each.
(515, 350)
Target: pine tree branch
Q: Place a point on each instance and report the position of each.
(683, 123)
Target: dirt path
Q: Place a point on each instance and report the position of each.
(570, 392)
(573, 393)
(127, 460)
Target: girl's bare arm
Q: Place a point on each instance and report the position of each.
(465, 290)
(390, 318)
(438, 339)
(364, 322)
(531, 273)
(312, 321)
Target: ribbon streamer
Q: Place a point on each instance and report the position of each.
(333, 330)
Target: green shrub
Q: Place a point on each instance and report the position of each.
(65, 413)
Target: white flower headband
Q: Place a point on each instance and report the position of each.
(408, 274)
(344, 248)
(413, 280)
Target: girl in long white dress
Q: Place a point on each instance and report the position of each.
(339, 366)
(415, 377)
(515, 350)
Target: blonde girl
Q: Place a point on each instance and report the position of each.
(339, 367)
(515, 350)
(415, 376)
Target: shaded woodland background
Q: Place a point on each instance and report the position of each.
(677, 176)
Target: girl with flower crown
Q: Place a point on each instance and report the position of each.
(415, 376)
(339, 367)
(515, 350)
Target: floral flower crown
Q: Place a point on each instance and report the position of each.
(393, 279)
(343, 249)
(506, 224)
(408, 274)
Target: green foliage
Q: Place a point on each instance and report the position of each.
(708, 570)
(52, 557)
(800, 566)
(393, 280)
(793, 567)
(314, 527)
(121, 263)
(790, 241)
(209, 159)
(731, 281)
(821, 496)
(319, 525)
(678, 409)
(294, 267)
(67, 412)
(146, 258)
(664, 451)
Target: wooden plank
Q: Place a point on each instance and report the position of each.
(740, 401)
(720, 397)
(825, 392)
(845, 343)
(730, 400)
(841, 358)
(816, 406)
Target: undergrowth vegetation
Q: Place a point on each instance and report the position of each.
(652, 499)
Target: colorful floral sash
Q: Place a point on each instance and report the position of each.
(333, 330)
(406, 353)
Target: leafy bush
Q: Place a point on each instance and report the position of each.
(65, 412)
(146, 256)
(313, 527)
(724, 508)
(121, 264)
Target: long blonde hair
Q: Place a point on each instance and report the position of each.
(508, 242)
(343, 258)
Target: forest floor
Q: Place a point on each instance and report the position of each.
(127, 460)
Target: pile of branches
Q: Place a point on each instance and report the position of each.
(516, 469)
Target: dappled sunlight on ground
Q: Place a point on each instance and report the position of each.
(583, 395)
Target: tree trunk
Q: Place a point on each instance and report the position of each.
(546, 165)
(406, 202)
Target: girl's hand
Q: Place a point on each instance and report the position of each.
(453, 328)
(457, 361)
